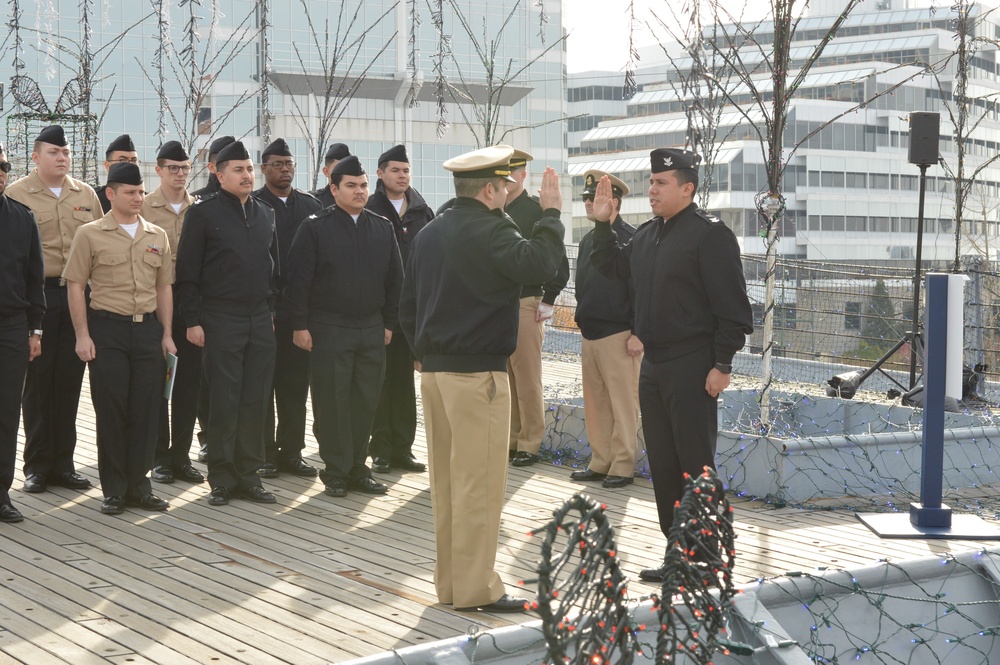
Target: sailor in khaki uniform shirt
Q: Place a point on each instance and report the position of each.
(124, 335)
(167, 207)
(52, 387)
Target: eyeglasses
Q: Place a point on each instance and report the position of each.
(290, 164)
(5, 167)
(128, 160)
(177, 168)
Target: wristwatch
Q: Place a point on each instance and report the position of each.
(35, 332)
(724, 368)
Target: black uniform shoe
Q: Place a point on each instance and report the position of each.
(614, 482)
(162, 474)
(380, 464)
(219, 496)
(522, 458)
(587, 474)
(202, 453)
(298, 467)
(336, 488)
(10, 514)
(258, 495)
(654, 575)
(368, 485)
(269, 470)
(504, 603)
(70, 479)
(409, 463)
(113, 505)
(34, 484)
(188, 474)
(148, 502)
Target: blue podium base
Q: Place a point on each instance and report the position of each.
(898, 525)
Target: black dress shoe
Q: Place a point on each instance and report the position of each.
(258, 495)
(504, 603)
(162, 474)
(148, 502)
(268, 470)
(10, 514)
(219, 496)
(70, 479)
(368, 485)
(380, 464)
(587, 474)
(202, 454)
(409, 463)
(522, 458)
(654, 575)
(335, 488)
(614, 482)
(113, 505)
(298, 467)
(188, 474)
(34, 484)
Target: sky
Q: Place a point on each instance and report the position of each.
(598, 38)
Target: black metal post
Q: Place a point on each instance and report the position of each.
(915, 314)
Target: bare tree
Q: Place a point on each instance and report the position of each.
(193, 64)
(487, 92)
(343, 71)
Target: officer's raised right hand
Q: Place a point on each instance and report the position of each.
(550, 196)
(602, 207)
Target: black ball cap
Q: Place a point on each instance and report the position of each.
(394, 154)
(121, 144)
(234, 150)
(349, 165)
(53, 134)
(173, 150)
(277, 147)
(671, 159)
(218, 144)
(337, 151)
(125, 173)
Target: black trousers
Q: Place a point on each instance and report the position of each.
(291, 390)
(126, 381)
(14, 361)
(345, 377)
(395, 423)
(238, 358)
(52, 392)
(177, 415)
(679, 424)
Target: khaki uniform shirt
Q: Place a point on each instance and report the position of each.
(58, 218)
(123, 271)
(156, 210)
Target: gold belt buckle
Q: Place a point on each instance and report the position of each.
(138, 318)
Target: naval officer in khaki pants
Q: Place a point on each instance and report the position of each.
(459, 312)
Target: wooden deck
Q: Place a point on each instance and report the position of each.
(315, 579)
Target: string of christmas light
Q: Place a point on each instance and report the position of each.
(581, 588)
(699, 574)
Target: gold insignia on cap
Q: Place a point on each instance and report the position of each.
(590, 180)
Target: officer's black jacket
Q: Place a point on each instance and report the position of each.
(416, 216)
(459, 308)
(227, 258)
(325, 197)
(689, 286)
(603, 306)
(525, 211)
(288, 215)
(22, 268)
(342, 273)
(211, 187)
(102, 196)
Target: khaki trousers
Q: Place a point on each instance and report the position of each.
(527, 413)
(466, 418)
(611, 404)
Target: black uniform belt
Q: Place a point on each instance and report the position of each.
(134, 318)
(54, 282)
